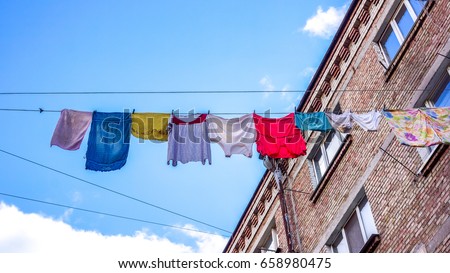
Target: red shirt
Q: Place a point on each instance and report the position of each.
(201, 118)
(279, 137)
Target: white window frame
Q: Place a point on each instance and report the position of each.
(328, 161)
(397, 32)
(426, 153)
(362, 227)
(272, 237)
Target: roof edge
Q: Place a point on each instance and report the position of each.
(305, 97)
(330, 49)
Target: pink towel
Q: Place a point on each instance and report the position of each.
(71, 128)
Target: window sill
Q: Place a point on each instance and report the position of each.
(371, 244)
(404, 47)
(435, 157)
(332, 168)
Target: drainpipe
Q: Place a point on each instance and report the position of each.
(287, 227)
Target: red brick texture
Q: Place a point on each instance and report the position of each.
(408, 210)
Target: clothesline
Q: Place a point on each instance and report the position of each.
(189, 137)
(267, 113)
(178, 113)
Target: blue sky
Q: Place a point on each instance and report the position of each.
(63, 46)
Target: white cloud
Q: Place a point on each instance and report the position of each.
(66, 215)
(325, 23)
(77, 197)
(205, 242)
(290, 107)
(21, 232)
(293, 105)
(286, 95)
(308, 72)
(267, 85)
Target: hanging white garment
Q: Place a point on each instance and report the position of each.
(188, 140)
(235, 135)
(368, 121)
(342, 123)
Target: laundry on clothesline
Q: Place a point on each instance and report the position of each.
(420, 127)
(234, 136)
(316, 121)
(188, 140)
(279, 137)
(189, 137)
(151, 126)
(109, 141)
(70, 129)
(344, 122)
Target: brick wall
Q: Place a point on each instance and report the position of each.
(409, 211)
(406, 212)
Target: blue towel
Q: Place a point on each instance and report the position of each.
(317, 121)
(109, 141)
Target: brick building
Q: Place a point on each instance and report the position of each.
(364, 191)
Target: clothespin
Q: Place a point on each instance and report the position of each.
(41, 110)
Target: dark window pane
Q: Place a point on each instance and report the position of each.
(329, 138)
(390, 43)
(332, 146)
(319, 165)
(354, 236)
(367, 218)
(404, 21)
(340, 245)
(268, 243)
(444, 98)
(418, 5)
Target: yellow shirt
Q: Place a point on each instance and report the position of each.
(152, 126)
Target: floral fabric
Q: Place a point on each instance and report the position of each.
(420, 127)
(439, 119)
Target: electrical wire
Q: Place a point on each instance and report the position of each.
(40, 110)
(177, 113)
(28, 110)
(113, 191)
(106, 214)
(159, 92)
(265, 114)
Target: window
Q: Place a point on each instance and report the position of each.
(357, 231)
(399, 27)
(269, 243)
(325, 152)
(439, 98)
(444, 98)
(418, 5)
